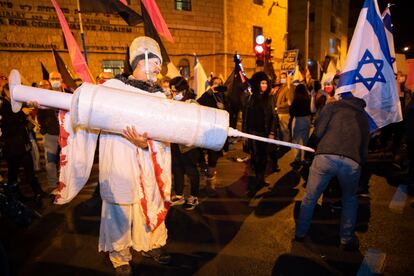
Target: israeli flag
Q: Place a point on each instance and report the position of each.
(386, 18)
(368, 71)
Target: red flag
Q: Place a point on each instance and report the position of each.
(410, 77)
(157, 19)
(78, 61)
(150, 31)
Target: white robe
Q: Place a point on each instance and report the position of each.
(128, 175)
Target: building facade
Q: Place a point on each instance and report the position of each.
(325, 33)
(214, 30)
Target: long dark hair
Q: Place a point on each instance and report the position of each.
(181, 84)
(301, 92)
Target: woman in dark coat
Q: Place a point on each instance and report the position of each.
(258, 120)
(184, 159)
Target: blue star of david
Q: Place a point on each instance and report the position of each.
(368, 58)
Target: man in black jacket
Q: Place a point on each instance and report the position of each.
(342, 133)
(49, 128)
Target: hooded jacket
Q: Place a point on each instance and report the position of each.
(342, 128)
(258, 115)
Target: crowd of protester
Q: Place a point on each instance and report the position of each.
(302, 112)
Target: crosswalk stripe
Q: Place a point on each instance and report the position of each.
(373, 263)
(399, 199)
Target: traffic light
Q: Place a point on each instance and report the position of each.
(268, 50)
(259, 49)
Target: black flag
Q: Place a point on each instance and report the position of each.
(150, 31)
(236, 85)
(127, 67)
(111, 6)
(45, 73)
(67, 78)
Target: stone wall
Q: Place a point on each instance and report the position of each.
(214, 30)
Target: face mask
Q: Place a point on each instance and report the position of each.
(263, 87)
(55, 84)
(178, 97)
(328, 89)
(283, 81)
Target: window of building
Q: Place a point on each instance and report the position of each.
(183, 5)
(312, 17)
(256, 31)
(333, 24)
(184, 67)
(114, 66)
(334, 45)
(258, 2)
(331, 46)
(336, 6)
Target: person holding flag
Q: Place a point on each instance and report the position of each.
(369, 69)
(367, 101)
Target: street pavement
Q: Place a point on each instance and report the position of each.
(236, 230)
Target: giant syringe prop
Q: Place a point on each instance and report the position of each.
(114, 106)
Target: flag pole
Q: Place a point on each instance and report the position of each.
(82, 34)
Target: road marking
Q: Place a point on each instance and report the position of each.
(373, 263)
(399, 199)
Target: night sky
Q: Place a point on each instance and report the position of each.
(400, 17)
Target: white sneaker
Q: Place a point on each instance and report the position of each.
(191, 203)
(177, 200)
(55, 191)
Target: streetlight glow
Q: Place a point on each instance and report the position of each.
(406, 49)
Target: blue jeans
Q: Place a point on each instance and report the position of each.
(50, 143)
(300, 129)
(324, 167)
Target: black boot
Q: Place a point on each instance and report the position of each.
(260, 181)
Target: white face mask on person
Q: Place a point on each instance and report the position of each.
(178, 97)
(56, 84)
(283, 81)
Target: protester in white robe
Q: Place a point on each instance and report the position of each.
(134, 171)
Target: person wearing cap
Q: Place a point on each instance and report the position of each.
(135, 173)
